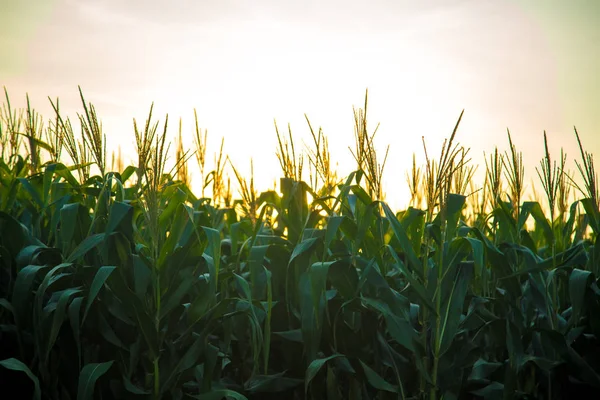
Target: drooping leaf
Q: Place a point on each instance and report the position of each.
(16, 365)
(402, 237)
(314, 368)
(88, 377)
(99, 280)
(84, 247)
(376, 380)
(579, 281)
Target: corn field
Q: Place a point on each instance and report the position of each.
(119, 282)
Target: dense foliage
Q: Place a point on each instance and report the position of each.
(126, 285)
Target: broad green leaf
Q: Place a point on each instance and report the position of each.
(142, 275)
(211, 355)
(72, 217)
(255, 261)
(16, 365)
(214, 249)
(333, 226)
(74, 315)
(84, 247)
(6, 304)
(267, 327)
(173, 299)
(533, 208)
(202, 303)
(120, 215)
(376, 380)
(88, 377)
(482, 370)
(592, 212)
(493, 391)
(131, 388)
(13, 234)
(398, 328)
(416, 285)
(310, 315)
(183, 363)
(135, 308)
(128, 173)
(344, 278)
(33, 192)
(314, 368)
(22, 291)
(271, 383)
(294, 335)
(99, 280)
(514, 345)
(306, 246)
(454, 287)
(176, 197)
(579, 281)
(413, 261)
(58, 318)
(108, 333)
(318, 280)
(454, 206)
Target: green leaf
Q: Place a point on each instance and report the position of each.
(74, 314)
(173, 299)
(59, 317)
(400, 233)
(22, 291)
(88, 244)
(88, 377)
(344, 278)
(255, 262)
(220, 395)
(454, 206)
(294, 335)
(6, 304)
(455, 288)
(188, 360)
(16, 365)
(534, 209)
(579, 281)
(33, 192)
(202, 303)
(314, 367)
(131, 388)
(398, 328)
(333, 226)
(306, 246)
(120, 215)
(99, 280)
(493, 391)
(514, 345)
(482, 370)
(376, 380)
(73, 218)
(136, 308)
(416, 285)
(271, 383)
(214, 249)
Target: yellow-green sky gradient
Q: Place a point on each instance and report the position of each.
(529, 65)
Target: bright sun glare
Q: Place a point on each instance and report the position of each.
(243, 67)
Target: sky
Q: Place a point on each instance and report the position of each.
(527, 65)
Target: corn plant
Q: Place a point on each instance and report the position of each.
(127, 285)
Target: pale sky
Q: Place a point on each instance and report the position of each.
(527, 65)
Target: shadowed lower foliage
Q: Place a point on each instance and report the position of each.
(125, 285)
